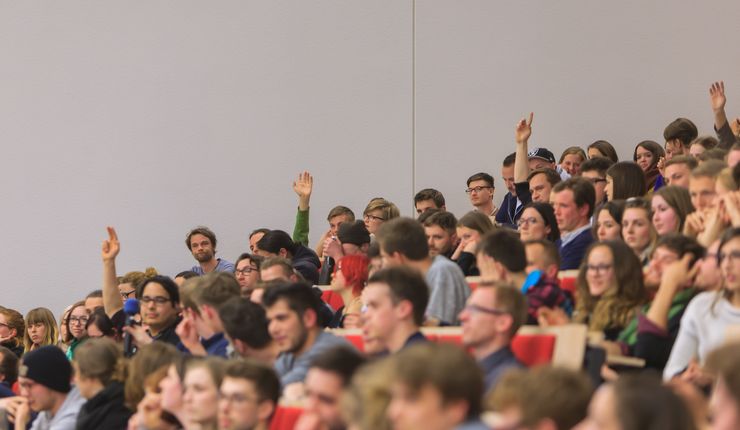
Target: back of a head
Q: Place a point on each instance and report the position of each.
(245, 321)
(274, 240)
(644, 403)
(447, 368)
(628, 180)
(340, 360)
(298, 296)
(504, 246)
(100, 359)
(538, 395)
(405, 283)
(405, 236)
(682, 129)
(215, 288)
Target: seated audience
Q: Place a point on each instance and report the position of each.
(491, 318)
(293, 318)
(670, 206)
(538, 223)
(441, 231)
(246, 327)
(403, 242)
(571, 160)
(367, 397)
(573, 203)
(248, 396)
(428, 198)
(602, 149)
(76, 328)
(542, 255)
(94, 300)
(647, 155)
(678, 169)
(624, 180)
(608, 221)
(512, 204)
(202, 380)
(725, 404)
(378, 211)
(708, 315)
(328, 377)
(532, 400)
(99, 325)
(41, 329)
(12, 329)
(201, 242)
(338, 215)
(352, 238)
(8, 372)
(99, 376)
(678, 135)
(45, 388)
(395, 299)
(470, 228)
(437, 386)
(503, 259)
(247, 272)
(701, 144)
(594, 170)
(277, 243)
(350, 277)
(148, 359)
(637, 229)
(480, 191)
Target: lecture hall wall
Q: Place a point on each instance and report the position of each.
(155, 117)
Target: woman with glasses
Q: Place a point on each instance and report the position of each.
(608, 221)
(706, 319)
(41, 329)
(349, 279)
(76, 327)
(538, 223)
(378, 211)
(609, 288)
(637, 228)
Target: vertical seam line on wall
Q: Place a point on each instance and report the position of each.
(413, 99)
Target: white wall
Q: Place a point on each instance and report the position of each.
(159, 116)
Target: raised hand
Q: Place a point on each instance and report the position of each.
(717, 96)
(111, 247)
(524, 129)
(303, 186)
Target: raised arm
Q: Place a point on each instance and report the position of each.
(112, 301)
(721, 125)
(303, 186)
(521, 160)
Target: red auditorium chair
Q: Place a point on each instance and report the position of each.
(285, 417)
(333, 299)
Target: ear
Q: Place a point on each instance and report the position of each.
(13, 332)
(310, 319)
(283, 253)
(583, 210)
(456, 411)
(404, 310)
(265, 409)
(399, 257)
(503, 323)
(241, 347)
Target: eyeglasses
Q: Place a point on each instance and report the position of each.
(481, 309)
(127, 294)
(245, 271)
(599, 267)
(476, 189)
(528, 221)
(237, 398)
(76, 320)
(158, 300)
(369, 217)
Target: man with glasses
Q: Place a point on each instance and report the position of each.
(595, 171)
(247, 272)
(248, 397)
(480, 191)
(159, 298)
(490, 319)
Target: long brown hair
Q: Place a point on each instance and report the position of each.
(616, 307)
(45, 317)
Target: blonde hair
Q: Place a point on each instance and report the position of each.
(135, 278)
(45, 317)
(366, 399)
(389, 209)
(726, 179)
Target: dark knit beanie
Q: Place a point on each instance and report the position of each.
(353, 232)
(682, 129)
(49, 367)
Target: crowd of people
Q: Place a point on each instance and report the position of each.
(653, 244)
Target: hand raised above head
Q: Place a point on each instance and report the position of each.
(717, 95)
(524, 129)
(111, 247)
(303, 185)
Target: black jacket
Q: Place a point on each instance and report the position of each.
(105, 410)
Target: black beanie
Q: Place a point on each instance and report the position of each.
(49, 367)
(353, 232)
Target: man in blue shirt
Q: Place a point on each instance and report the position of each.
(201, 242)
(573, 202)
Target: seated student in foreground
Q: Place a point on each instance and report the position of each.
(248, 396)
(490, 320)
(436, 386)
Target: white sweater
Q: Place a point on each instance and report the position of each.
(703, 328)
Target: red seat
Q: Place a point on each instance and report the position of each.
(533, 349)
(16, 388)
(333, 299)
(285, 417)
(568, 284)
(355, 340)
